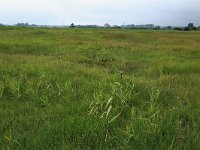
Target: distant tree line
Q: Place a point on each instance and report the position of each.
(131, 26)
(189, 27)
(145, 26)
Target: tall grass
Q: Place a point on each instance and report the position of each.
(99, 89)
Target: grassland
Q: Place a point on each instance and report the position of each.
(99, 89)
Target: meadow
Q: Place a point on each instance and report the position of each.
(99, 89)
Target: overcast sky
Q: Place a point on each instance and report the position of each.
(64, 12)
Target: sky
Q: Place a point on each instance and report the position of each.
(99, 12)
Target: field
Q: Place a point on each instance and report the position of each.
(99, 89)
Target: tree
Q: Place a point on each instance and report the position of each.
(72, 25)
(107, 25)
(177, 28)
(194, 28)
(186, 29)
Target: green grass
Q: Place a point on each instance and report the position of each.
(99, 89)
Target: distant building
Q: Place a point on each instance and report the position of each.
(149, 26)
(22, 24)
(116, 26)
(145, 26)
(140, 26)
(131, 26)
(157, 27)
(190, 25)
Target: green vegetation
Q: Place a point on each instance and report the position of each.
(99, 89)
